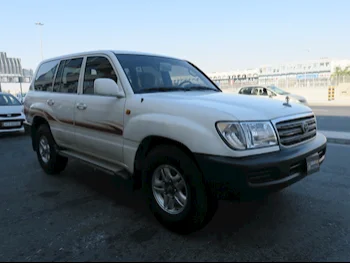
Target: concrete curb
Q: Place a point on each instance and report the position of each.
(330, 104)
(338, 141)
(337, 137)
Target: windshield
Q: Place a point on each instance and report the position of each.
(8, 100)
(278, 90)
(160, 74)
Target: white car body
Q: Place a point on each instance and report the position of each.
(277, 94)
(11, 116)
(115, 127)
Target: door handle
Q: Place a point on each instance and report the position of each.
(50, 102)
(81, 106)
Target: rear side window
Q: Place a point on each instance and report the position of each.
(97, 67)
(246, 91)
(44, 77)
(67, 78)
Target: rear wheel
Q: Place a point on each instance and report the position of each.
(46, 150)
(177, 194)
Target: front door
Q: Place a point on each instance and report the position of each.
(99, 119)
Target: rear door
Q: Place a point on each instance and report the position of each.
(40, 97)
(62, 101)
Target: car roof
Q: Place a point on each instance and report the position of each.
(118, 52)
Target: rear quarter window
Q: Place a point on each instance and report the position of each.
(44, 77)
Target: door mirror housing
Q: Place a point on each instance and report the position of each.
(107, 87)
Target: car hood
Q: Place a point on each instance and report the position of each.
(11, 109)
(240, 107)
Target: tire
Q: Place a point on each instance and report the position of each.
(54, 164)
(200, 205)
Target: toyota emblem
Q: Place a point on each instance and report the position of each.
(305, 127)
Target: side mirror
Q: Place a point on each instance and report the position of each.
(107, 87)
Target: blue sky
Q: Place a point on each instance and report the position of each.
(215, 35)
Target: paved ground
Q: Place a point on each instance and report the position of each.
(333, 118)
(88, 216)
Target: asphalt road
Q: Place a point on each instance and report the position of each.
(333, 118)
(88, 216)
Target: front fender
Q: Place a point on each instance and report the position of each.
(196, 137)
(38, 109)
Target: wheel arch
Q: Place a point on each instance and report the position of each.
(149, 143)
(37, 122)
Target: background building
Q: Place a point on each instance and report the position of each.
(11, 70)
(311, 73)
(13, 78)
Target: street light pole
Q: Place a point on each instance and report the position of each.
(308, 51)
(41, 38)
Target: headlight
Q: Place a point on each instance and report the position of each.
(247, 135)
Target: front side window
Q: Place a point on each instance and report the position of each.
(8, 100)
(160, 74)
(67, 78)
(45, 75)
(97, 67)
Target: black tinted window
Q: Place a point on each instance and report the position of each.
(97, 67)
(58, 79)
(246, 91)
(45, 75)
(67, 78)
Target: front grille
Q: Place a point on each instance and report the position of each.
(11, 115)
(295, 131)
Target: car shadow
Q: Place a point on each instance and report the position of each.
(10, 135)
(112, 187)
(231, 216)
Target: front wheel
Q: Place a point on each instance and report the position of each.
(49, 160)
(177, 194)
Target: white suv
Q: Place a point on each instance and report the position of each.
(163, 123)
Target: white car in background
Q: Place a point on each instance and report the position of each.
(11, 114)
(272, 92)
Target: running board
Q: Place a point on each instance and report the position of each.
(107, 167)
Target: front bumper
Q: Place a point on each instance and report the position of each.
(12, 129)
(265, 172)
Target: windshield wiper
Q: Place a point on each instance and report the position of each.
(161, 89)
(201, 88)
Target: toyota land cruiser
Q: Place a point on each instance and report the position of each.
(163, 123)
